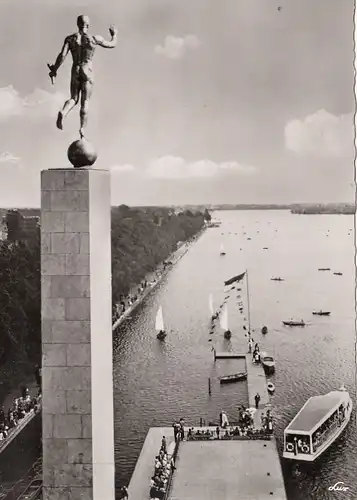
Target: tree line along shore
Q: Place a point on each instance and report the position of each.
(142, 239)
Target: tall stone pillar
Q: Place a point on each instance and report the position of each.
(77, 366)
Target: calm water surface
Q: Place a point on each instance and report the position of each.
(156, 383)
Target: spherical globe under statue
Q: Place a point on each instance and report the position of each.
(81, 153)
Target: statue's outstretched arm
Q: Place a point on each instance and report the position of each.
(60, 58)
(107, 44)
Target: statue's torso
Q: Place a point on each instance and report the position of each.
(82, 47)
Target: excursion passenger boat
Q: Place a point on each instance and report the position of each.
(318, 424)
(235, 377)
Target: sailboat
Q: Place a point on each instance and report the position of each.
(159, 325)
(224, 322)
(222, 250)
(214, 315)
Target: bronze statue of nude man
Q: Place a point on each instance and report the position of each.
(82, 47)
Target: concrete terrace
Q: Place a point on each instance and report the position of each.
(227, 470)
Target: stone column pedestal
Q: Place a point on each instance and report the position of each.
(77, 358)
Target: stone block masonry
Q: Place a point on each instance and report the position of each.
(77, 375)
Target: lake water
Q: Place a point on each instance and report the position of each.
(157, 383)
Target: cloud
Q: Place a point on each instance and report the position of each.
(321, 134)
(127, 167)
(37, 104)
(175, 47)
(7, 157)
(173, 167)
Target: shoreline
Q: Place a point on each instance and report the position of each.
(174, 257)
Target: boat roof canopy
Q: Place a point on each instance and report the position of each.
(315, 411)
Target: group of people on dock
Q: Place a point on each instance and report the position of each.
(20, 407)
(164, 466)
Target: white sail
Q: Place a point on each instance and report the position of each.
(159, 321)
(222, 248)
(224, 318)
(211, 304)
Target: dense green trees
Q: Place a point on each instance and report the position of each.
(141, 240)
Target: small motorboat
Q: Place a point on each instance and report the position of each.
(227, 334)
(338, 274)
(294, 323)
(321, 313)
(270, 387)
(277, 279)
(264, 330)
(235, 377)
(267, 362)
(324, 269)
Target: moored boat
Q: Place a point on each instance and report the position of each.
(318, 424)
(294, 323)
(268, 362)
(235, 377)
(321, 313)
(270, 387)
(159, 326)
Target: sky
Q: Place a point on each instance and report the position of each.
(235, 101)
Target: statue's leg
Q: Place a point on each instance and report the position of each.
(87, 89)
(71, 102)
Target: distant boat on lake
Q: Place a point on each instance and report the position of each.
(277, 279)
(338, 274)
(324, 269)
(321, 313)
(294, 323)
(222, 252)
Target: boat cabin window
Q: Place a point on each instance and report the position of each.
(297, 443)
(328, 427)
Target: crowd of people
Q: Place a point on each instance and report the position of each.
(20, 407)
(164, 466)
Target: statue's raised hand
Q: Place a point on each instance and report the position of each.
(112, 30)
(53, 73)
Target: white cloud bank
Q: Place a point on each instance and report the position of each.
(7, 157)
(38, 104)
(176, 48)
(126, 168)
(173, 167)
(321, 134)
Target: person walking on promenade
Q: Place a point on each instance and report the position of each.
(257, 399)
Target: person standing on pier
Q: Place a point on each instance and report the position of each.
(257, 399)
(182, 429)
(163, 444)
